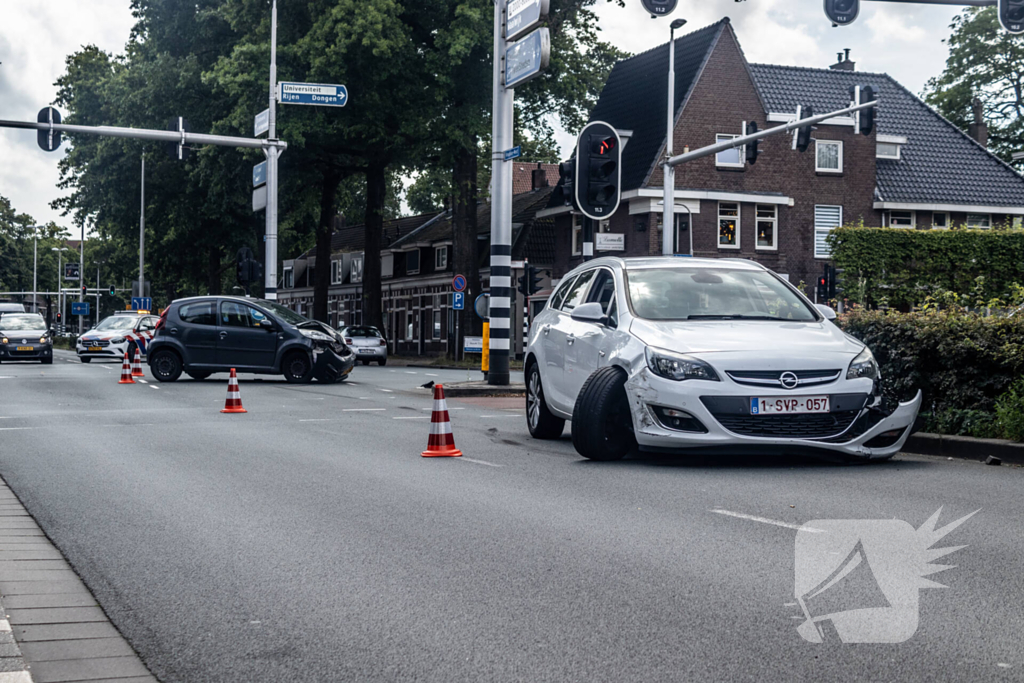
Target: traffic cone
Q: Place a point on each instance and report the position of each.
(137, 364)
(126, 371)
(441, 443)
(233, 404)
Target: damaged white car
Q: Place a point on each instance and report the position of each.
(674, 354)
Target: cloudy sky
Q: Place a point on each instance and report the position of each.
(35, 37)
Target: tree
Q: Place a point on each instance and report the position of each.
(988, 63)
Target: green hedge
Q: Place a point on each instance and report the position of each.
(900, 267)
(963, 363)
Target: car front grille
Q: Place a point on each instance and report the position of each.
(102, 343)
(809, 426)
(771, 378)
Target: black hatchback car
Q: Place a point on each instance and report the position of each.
(204, 335)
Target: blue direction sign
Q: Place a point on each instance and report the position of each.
(261, 124)
(522, 15)
(527, 58)
(459, 283)
(458, 301)
(259, 174)
(321, 94)
(79, 308)
(142, 303)
(513, 153)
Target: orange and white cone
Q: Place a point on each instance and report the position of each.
(126, 371)
(441, 443)
(233, 404)
(137, 364)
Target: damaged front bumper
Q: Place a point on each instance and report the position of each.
(330, 366)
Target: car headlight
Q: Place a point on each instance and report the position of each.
(43, 340)
(3, 341)
(864, 365)
(317, 336)
(117, 340)
(678, 366)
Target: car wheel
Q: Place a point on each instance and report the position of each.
(382, 362)
(84, 359)
(297, 368)
(542, 422)
(199, 376)
(602, 428)
(166, 366)
(366, 362)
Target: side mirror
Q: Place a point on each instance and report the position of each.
(267, 324)
(826, 311)
(590, 313)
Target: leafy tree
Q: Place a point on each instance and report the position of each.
(988, 63)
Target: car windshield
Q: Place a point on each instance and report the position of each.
(713, 294)
(118, 322)
(361, 332)
(285, 314)
(17, 323)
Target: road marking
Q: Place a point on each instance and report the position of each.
(143, 381)
(362, 410)
(418, 417)
(387, 391)
(430, 374)
(478, 462)
(319, 419)
(499, 416)
(14, 429)
(765, 520)
(153, 387)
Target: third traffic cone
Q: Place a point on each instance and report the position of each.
(233, 404)
(126, 371)
(137, 364)
(441, 442)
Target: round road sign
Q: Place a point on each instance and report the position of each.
(459, 283)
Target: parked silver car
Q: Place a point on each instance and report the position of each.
(367, 342)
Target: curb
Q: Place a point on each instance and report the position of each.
(483, 389)
(964, 447)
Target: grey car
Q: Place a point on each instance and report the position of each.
(24, 336)
(367, 342)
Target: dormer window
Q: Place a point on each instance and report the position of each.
(889, 146)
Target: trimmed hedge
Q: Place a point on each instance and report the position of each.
(901, 267)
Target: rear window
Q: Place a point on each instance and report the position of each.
(200, 313)
(361, 332)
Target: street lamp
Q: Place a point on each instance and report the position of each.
(668, 220)
(60, 289)
(98, 264)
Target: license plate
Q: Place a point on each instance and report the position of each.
(25, 348)
(95, 348)
(788, 405)
(366, 351)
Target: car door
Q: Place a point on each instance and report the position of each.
(242, 342)
(198, 332)
(588, 344)
(560, 342)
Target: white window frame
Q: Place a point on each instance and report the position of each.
(577, 235)
(336, 272)
(729, 218)
(741, 151)
(818, 254)
(289, 277)
(441, 258)
(945, 214)
(878, 151)
(913, 220)
(775, 226)
(817, 146)
(418, 264)
(988, 221)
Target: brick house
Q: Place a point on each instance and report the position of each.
(915, 170)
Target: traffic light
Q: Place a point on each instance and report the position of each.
(842, 12)
(1011, 15)
(598, 171)
(112, 290)
(659, 8)
(534, 283)
(567, 181)
(865, 118)
(176, 150)
(58, 318)
(802, 139)
(822, 290)
(752, 151)
(524, 283)
(85, 291)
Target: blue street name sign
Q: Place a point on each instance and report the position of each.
(79, 308)
(458, 301)
(313, 93)
(142, 303)
(523, 15)
(527, 58)
(513, 153)
(259, 174)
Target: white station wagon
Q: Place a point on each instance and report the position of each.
(687, 354)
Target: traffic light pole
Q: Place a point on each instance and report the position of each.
(272, 153)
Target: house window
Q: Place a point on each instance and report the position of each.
(825, 219)
(441, 258)
(355, 270)
(828, 156)
(409, 325)
(901, 219)
(728, 225)
(289, 278)
(940, 220)
(412, 262)
(887, 150)
(979, 220)
(730, 158)
(336, 272)
(767, 228)
(437, 325)
(577, 235)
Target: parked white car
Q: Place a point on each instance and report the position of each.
(694, 354)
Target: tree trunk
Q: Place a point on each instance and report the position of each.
(376, 194)
(322, 274)
(466, 256)
(213, 281)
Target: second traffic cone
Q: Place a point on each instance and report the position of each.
(126, 371)
(233, 404)
(441, 443)
(137, 364)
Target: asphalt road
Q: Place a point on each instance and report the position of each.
(307, 540)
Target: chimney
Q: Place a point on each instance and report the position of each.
(844, 63)
(539, 177)
(978, 130)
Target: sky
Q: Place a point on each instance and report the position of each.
(903, 40)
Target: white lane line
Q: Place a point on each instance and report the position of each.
(319, 419)
(765, 520)
(418, 417)
(145, 382)
(153, 387)
(410, 372)
(362, 410)
(14, 429)
(430, 374)
(387, 391)
(478, 462)
(499, 416)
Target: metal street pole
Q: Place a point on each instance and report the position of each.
(270, 282)
(35, 268)
(668, 215)
(97, 317)
(142, 230)
(81, 276)
(501, 210)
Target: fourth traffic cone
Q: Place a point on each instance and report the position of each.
(126, 372)
(137, 364)
(441, 442)
(233, 404)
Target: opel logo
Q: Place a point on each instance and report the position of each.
(789, 380)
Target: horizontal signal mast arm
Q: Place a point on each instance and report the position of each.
(767, 132)
(975, 3)
(147, 134)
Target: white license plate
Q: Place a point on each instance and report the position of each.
(788, 405)
(366, 351)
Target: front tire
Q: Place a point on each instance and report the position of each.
(165, 366)
(542, 422)
(198, 376)
(297, 368)
(382, 362)
(602, 428)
